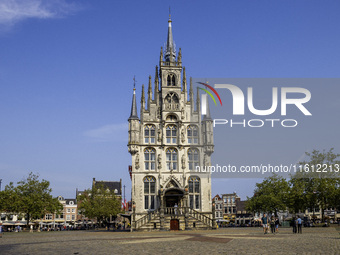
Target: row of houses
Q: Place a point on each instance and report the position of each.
(229, 209)
(70, 216)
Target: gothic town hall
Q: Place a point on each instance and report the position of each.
(167, 141)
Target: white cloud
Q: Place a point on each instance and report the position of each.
(108, 132)
(14, 11)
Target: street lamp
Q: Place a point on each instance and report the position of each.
(0, 184)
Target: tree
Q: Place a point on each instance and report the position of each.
(99, 203)
(297, 201)
(30, 197)
(269, 196)
(319, 179)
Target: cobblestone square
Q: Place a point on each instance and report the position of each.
(221, 241)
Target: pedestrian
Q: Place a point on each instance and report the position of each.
(294, 225)
(277, 222)
(264, 221)
(299, 224)
(272, 225)
(0, 230)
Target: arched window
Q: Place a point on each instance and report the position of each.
(171, 102)
(168, 80)
(193, 158)
(149, 133)
(149, 158)
(149, 192)
(192, 133)
(171, 117)
(194, 192)
(171, 80)
(171, 134)
(171, 159)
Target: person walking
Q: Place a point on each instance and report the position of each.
(264, 221)
(294, 225)
(277, 223)
(272, 225)
(299, 224)
(0, 230)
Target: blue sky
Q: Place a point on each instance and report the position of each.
(66, 70)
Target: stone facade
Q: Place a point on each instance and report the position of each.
(167, 142)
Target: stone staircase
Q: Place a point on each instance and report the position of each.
(188, 219)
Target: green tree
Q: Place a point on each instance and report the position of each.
(319, 179)
(99, 203)
(30, 197)
(269, 196)
(297, 201)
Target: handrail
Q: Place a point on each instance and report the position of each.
(201, 217)
(145, 219)
(175, 211)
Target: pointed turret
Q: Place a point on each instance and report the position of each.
(134, 114)
(170, 50)
(133, 123)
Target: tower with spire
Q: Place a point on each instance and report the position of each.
(171, 148)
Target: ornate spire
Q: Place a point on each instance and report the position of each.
(149, 93)
(161, 56)
(179, 57)
(134, 114)
(170, 51)
(142, 100)
(198, 101)
(184, 82)
(191, 92)
(156, 85)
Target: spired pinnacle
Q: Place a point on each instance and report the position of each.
(134, 114)
(170, 50)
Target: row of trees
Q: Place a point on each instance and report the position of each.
(307, 189)
(32, 198)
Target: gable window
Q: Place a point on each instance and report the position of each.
(149, 134)
(149, 158)
(149, 192)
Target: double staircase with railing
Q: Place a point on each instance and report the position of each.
(173, 218)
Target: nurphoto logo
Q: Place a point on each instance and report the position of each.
(239, 105)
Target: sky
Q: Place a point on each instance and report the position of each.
(67, 68)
